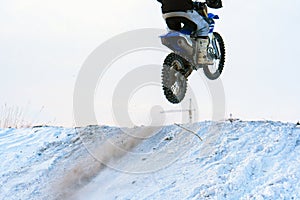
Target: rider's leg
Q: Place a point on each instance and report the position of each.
(202, 51)
(181, 24)
(173, 23)
(202, 30)
(202, 37)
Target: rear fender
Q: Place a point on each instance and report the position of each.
(180, 43)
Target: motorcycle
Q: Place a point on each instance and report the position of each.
(179, 64)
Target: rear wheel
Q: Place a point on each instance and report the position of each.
(215, 52)
(173, 80)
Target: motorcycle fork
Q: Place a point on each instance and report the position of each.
(214, 44)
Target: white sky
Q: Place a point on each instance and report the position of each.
(43, 44)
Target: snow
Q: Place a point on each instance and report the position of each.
(235, 160)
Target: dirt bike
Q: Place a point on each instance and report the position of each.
(179, 64)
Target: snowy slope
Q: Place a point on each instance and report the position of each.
(239, 160)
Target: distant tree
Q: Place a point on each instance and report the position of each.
(16, 117)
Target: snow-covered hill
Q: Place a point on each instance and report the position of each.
(238, 160)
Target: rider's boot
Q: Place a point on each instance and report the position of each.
(202, 52)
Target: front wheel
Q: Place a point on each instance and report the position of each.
(173, 80)
(215, 52)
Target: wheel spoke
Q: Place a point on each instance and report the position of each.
(216, 52)
(174, 82)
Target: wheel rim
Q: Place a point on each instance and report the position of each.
(173, 79)
(176, 88)
(216, 52)
(212, 55)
